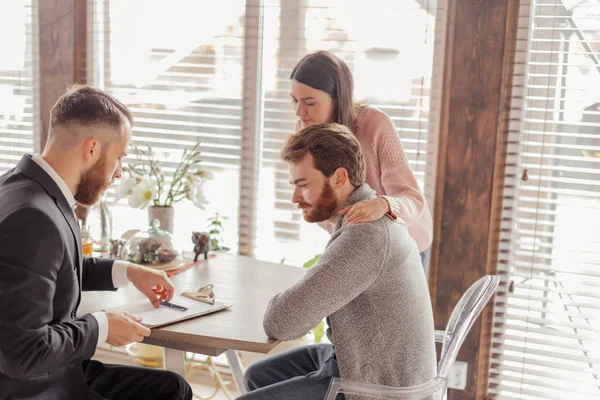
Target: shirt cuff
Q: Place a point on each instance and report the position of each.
(119, 274)
(390, 214)
(102, 326)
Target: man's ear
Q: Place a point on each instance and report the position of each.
(91, 150)
(340, 177)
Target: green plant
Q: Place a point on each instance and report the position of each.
(311, 262)
(215, 229)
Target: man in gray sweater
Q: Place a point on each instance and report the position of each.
(369, 282)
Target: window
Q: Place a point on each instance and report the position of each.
(179, 69)
(393, 70)
(545, 335)
(222, 77)
(18, 28)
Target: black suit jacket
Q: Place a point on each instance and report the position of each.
(42, 273)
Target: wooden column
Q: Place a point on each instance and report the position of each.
(62, 53)
(480, 43)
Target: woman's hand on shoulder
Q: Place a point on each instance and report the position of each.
(365, 211)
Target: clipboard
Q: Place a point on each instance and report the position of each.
(205, 294)
(161, 316)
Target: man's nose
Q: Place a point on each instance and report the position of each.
(118, 172)
(296, 197)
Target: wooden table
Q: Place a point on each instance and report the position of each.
(245, 283)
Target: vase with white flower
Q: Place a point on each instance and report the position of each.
(145, 184)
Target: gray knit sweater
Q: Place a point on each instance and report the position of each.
(370, 282)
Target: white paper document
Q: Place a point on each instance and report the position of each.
(155, 317)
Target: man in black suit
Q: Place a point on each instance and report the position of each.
(45, 349)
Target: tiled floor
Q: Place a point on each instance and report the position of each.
(202, 383)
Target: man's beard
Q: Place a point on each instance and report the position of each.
(324, 207)
(93, 183)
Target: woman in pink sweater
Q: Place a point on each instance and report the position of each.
(322, 92)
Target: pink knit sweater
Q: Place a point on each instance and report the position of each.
(389, 174)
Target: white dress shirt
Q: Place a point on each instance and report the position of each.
(119, 270)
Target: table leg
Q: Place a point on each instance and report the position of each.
(174, 361)
(236, 370)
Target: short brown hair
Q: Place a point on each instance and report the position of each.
(85, 106)
(332, 146)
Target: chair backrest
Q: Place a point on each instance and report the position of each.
(463, 316)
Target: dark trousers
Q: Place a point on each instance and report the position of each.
(119, 382)
(303, 373)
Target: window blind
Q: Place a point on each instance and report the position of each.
(179, 67)
(223, 77)
(394, 70)
(18, 82)
(546, 341)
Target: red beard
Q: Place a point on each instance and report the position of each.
(93, 183)
(324, 207)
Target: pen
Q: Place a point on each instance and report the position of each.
(175, 306)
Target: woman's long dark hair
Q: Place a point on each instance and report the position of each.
(326, 72)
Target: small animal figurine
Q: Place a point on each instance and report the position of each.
(201, 242)
(116, 248)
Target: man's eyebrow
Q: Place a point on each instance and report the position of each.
(297, 181)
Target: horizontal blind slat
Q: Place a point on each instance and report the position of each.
(18, 82)
(412, 106)
(549, 253)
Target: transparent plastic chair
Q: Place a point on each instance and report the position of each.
(463, 316)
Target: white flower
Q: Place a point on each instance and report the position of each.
(144, 193)
(124, 189)
(196, 195)
(207, 174)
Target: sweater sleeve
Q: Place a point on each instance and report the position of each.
(402, 191)
(348, 267)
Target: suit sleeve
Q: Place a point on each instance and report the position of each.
(30, 263)
(97, 274)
